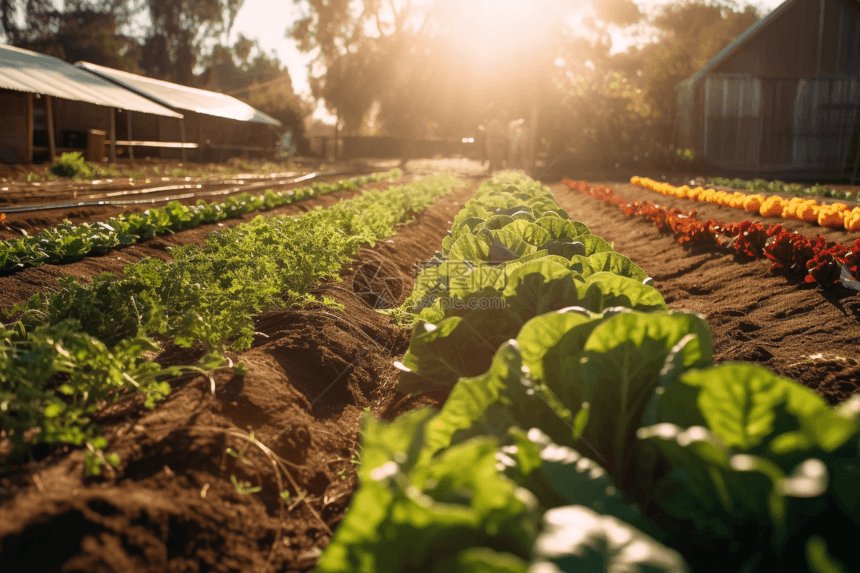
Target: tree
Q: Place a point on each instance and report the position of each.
(621, 108)
(163, 38)
(178, 33)
(435, 66)
(246, 71)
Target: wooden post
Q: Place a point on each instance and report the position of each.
(130, 138)
(49, 115)
(113, 134)
(762, 110)
(706, 117)
(29, 128)
(820, 38)
(182, 138)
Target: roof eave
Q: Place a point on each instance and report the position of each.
(748, 34)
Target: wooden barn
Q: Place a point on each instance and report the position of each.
(783, 99)
(48, 106)
(216, 126)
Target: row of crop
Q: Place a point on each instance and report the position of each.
(72, 349)
(833, 215)
(815, 261)
(597, 433)
(764, 186)
(67, 243)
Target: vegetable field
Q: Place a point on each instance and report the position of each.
(403, 373)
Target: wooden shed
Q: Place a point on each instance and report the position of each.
(48, 106)
(218, 126)
(784, 98)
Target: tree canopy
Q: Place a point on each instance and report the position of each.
(443, 67)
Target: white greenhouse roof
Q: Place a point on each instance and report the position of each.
(26, 71)
(182, 97)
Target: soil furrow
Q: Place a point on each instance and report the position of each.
(754, 315)
(20, 286)
(172, 505)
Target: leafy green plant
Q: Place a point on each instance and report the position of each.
(71, 165)
(67, 243)
(763, 186)
(244, 487)
(71, 350)
(685, 154)
(640, 453)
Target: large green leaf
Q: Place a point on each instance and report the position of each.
(705, 488)
(496, 222)
(482, 560)
(563, 229)
(576, 539)
(466, 226)
(605, 290)
(470, 248)
(579, 480)
(617, 371)
(541, 286)
(593, 244)
(543, 334)
(491, 404)
(745, 404)
(456, 347)
(417, 516)
(522, 237)
(610, 262)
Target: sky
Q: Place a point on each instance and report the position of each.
(269, 21)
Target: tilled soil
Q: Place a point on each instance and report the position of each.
(797, 330)
(18, 286)
(172, 504)
(705, 211)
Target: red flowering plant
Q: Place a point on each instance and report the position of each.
(853, 257)
(825, 267)
(792, 253)
(788, 251)
(750, 237)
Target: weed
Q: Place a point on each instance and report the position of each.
(332, 303)
(71, 165)
(244, 487)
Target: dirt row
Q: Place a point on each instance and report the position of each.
(20, 286)
(705, 211)
(797, 330)
(172, 505)
(31, 222)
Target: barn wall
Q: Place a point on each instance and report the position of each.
(775, 104)
(731, 123)
(72, 118)
(840, 43)
(15, 137)
(686, 104)
(786, 48)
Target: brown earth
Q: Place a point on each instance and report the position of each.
(797, 330)
(19, 286)
(31, 222)
(705, 211)
(171, 505)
